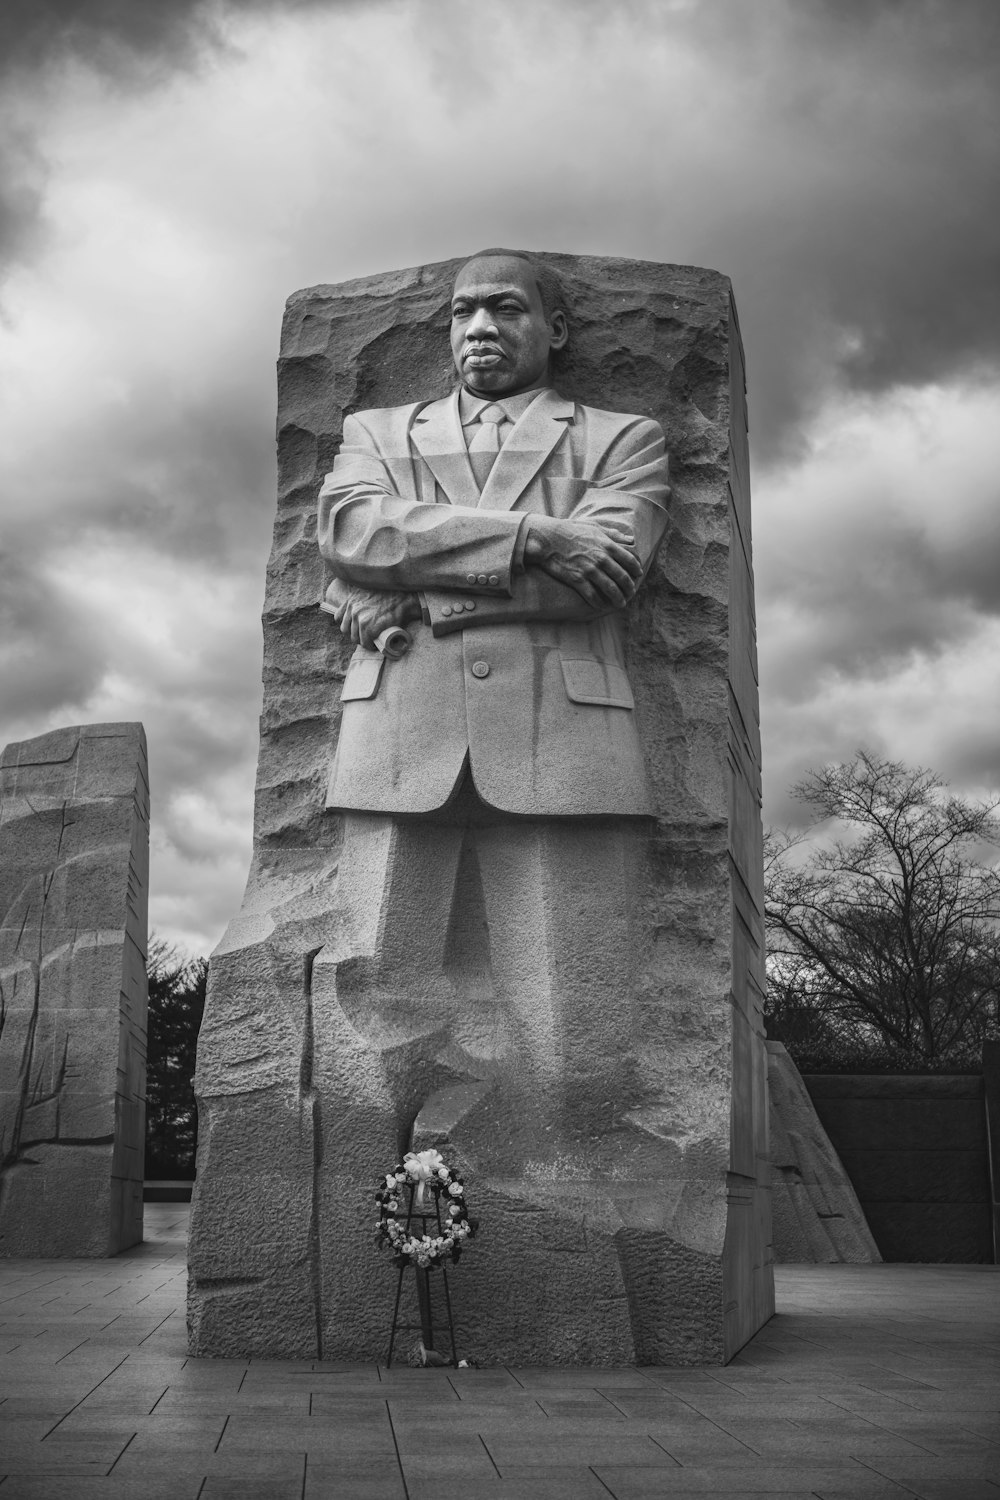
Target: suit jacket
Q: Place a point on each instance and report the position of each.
(509, 667)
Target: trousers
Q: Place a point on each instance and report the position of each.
(487, 947)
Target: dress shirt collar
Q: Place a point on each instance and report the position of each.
(470, 406)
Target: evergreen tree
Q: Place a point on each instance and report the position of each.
(176, 1006)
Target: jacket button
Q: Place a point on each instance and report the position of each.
(446, 609)
(480, 669)
(469, 604)
(470, 578)
(494, 580)
(482, 578)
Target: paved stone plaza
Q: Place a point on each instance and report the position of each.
(872, 1381)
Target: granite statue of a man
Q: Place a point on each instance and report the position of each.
(508, 529)
(498, 904)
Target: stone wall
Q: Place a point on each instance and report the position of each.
(74, 850)
(280, 1264)
(915, 1149)
(991, 1090)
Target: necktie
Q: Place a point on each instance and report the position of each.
(486, 442)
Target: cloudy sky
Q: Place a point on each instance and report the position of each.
(172, 171)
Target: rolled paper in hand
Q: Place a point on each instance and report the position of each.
(393, 642)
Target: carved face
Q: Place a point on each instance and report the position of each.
(501, 337)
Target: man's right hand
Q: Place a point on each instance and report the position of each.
(363, 614)
(594, 559)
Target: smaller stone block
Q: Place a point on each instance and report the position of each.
(74, 836)
(816, 1213)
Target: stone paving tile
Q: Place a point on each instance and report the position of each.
(773, 1436)
(923, 1472)
(492, 1379)
(979, 1425)
(308, 1436)
(251, 1489)
(249, 1463)
(627, 1483)
(493, 1424)
(543, 1377)
(187, 1406)
(327, 1486)
(568, 1482)
(105, 1487)
(182, 1431)
(531, 1450)
(449, 1469)
(59, 1458)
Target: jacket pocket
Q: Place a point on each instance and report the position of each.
(588, 679)
(363, 675)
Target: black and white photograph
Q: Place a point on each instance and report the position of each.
(499, 749)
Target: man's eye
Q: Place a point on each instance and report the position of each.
(460, 312)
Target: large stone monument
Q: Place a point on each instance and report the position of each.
(74, 857)
(507, 887)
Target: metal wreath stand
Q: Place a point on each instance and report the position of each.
(423, 1207)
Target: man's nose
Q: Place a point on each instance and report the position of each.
(481, 325)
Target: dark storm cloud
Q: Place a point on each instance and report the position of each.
(134, 43)
(841, 161)
(108, 33)
(879, 254)
(120, 37)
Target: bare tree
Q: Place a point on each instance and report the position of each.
(888, 934)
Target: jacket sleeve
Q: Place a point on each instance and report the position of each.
(372, 535)
(629, 486)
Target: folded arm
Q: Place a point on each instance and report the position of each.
(590, 563)
(541, 594)
(373, 536)
(477, 567)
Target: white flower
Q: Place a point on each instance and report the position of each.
(400, 1177)
(392, 1204)
(443, 1173)
(456, 1190)
(453, 1208)
(423, 1165)
(390, 1180)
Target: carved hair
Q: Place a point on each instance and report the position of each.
(550, 288)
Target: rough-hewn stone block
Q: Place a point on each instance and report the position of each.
(74, 842)
(675, 1265)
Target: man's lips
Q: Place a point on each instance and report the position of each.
(482, 355)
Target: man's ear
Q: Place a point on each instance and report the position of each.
(558, 330)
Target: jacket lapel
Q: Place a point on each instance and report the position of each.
(437, 435)
(525, 450)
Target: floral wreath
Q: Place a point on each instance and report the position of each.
(424, 1250)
